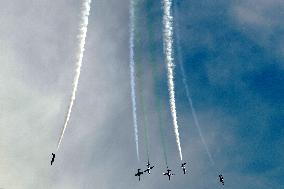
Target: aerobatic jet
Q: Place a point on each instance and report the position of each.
(148, 170)
(183, 167)
(221, 179)
(139, 173)
(168, 173)
(52, 159)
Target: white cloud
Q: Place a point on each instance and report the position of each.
(262, 21)
(259, 13)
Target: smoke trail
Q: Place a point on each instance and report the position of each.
(184, 80)
(132, 72)
(140, 87)
(168, 43)
(196, 122)
(86, 6)
(143, 105)
(152, 52)
(145, 118)
(162, 133)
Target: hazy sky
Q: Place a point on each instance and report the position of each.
(233, 55)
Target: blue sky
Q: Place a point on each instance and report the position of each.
(233, 56)
(241, 76)
(235, 72)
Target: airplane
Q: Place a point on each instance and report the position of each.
(168, 173)
(148, 168)
(139, 173)
(183, 167)
(52, 159)
(221, 179)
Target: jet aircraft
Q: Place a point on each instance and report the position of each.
(168, 173)
(148, 170)
(221, 179)
(52, 159)
(139, 173)
(183, 167)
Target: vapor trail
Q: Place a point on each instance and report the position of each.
(132, 72)
(184, 80)
(168, 44)
(143, 106)
(161, 132)
(86, 6)
(152, 60)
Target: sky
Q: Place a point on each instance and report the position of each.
(232, 52)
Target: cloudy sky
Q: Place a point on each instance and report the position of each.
(233, 56)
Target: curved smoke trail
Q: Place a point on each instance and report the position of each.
(132, 73)
(86, 6)
(184, 80)
(168, 44)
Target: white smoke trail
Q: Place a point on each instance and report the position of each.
(195, 119)
(196, 122)
(198, 125)
(132, 72)
(168, 44)
(86, 6)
